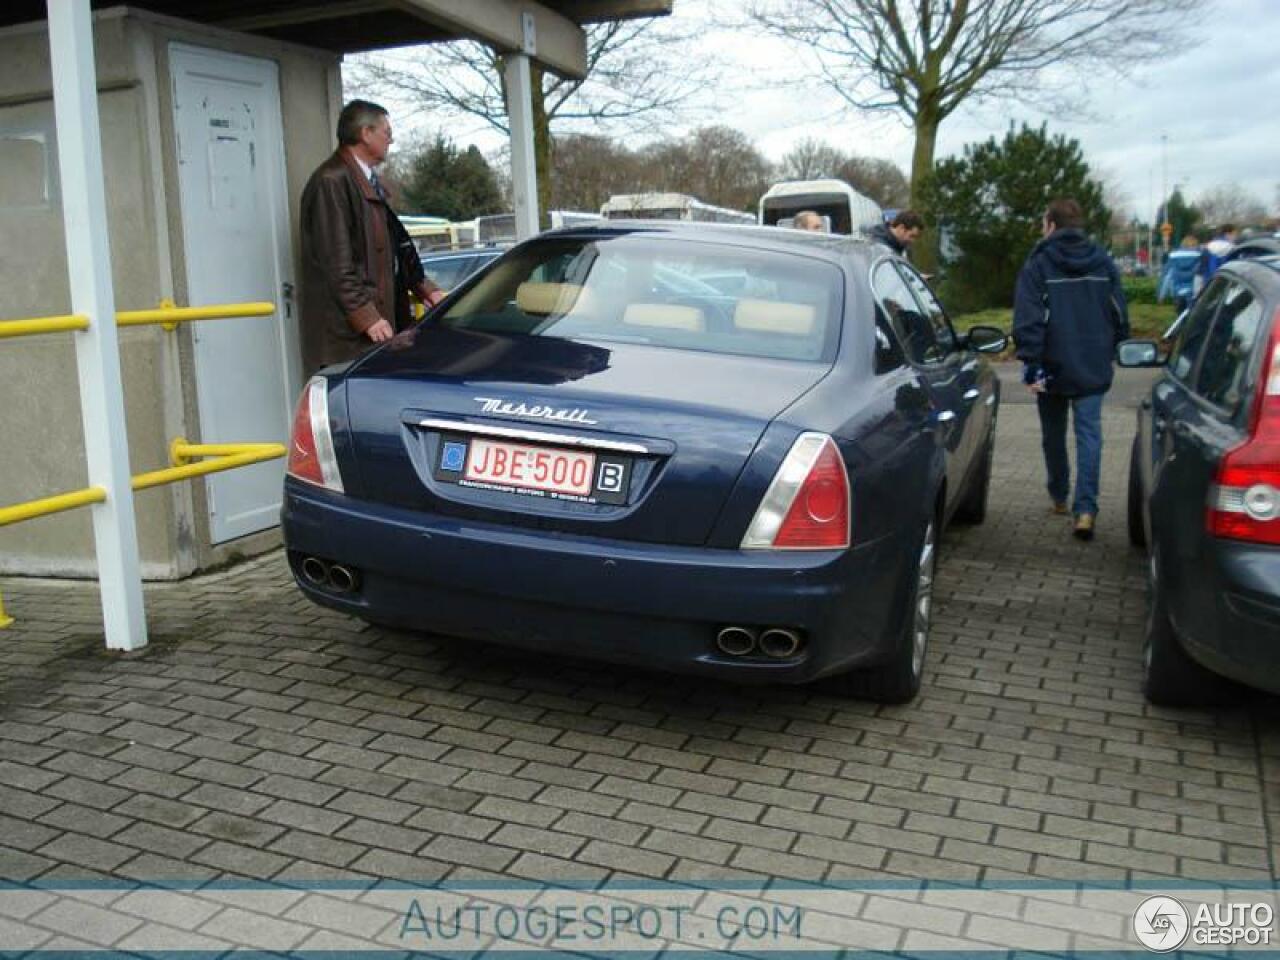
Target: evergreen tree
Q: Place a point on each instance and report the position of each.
(443, 181)
(1183, 217)
(988, 203)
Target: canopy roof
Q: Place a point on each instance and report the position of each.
(350, 26)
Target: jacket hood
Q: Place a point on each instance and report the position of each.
(1072, 252)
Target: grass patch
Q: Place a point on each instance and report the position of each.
(1146, 321)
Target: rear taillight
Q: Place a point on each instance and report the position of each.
(807, 505)
(1244, 503)
(311, 456)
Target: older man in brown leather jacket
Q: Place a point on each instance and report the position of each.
(355, 251)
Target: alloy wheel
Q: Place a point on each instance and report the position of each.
(924, 600)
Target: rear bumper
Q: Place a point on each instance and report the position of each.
(1239, 635)
(636, 603)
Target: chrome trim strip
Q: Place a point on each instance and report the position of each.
(538, 436)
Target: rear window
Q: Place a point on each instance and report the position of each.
(661, 292)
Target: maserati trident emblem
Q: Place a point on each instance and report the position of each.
(505, 408)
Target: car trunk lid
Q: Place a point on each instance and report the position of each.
(673, 428)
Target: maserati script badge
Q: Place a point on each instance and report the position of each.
(505, 408)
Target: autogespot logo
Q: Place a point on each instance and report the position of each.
(1161, 924)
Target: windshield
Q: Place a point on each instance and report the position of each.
(662, 292)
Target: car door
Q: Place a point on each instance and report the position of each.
(1203, 418)
(976, 397)
(935, 360)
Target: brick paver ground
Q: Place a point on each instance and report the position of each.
(259, 736)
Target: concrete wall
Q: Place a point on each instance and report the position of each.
(41, 442)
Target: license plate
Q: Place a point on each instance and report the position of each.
(532, 468)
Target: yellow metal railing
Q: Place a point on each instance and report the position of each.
(184, 456)
(166, 315)
(169, 316)
(38, 325)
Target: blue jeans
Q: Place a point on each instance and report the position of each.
(1053, 429)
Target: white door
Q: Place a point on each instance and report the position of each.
(235, 229)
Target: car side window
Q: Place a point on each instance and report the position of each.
(1221, 377)
(1195, 330)
(889, 355)
(943, 335)
(908, 321)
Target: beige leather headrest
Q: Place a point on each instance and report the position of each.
(671, 315)
(775, 316)
(542, 299)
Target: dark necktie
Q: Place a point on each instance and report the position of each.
(374, 182)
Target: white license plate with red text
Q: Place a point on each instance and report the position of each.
(533, 468)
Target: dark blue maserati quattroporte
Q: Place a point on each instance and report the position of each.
(589, 450)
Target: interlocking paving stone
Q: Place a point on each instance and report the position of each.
(272, 739)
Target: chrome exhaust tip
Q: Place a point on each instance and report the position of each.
(315, 571)
(779, 643)
(342, 578)
(736, 641)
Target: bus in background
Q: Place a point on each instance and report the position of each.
(844, 208)
(438, 233)
(668, 206)
(501, 227)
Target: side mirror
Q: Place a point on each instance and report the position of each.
(1138, 353)
(986, 339)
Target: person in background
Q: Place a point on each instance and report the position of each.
(1069, 313)
(900, 232)
(1215, 252)
(1178, 278)
(809, 220)
(358, 265)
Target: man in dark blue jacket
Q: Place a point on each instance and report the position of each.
(1069, 313)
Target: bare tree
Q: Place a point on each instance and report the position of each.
(810, 158)
(1231, 203)
(923, 58)
(588, 170)
(879, 179)
(638, 73)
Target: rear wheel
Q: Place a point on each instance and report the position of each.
(1137, 532)
(1170, 678)
(898, 679)
(973, 508)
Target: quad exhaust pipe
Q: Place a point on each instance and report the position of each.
(330, 576)
(779, 643)
(776, 643)
(736, 641)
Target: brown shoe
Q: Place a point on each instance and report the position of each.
(1083, 529)
(1059, 508)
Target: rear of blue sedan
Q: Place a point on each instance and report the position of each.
(589, 451)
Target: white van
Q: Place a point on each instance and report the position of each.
(669, 206)
(844, 208)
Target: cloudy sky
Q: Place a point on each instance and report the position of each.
(1213, 103)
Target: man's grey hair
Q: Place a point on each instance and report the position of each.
(355, 116)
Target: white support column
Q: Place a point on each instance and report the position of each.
(84, 216)
(524, 175)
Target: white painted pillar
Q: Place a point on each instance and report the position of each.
(84, 217)
(524, 174)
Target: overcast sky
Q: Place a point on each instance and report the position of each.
(1215, 102)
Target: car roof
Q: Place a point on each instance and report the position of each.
(464, 252)
(830, 246)
(1266, 249)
